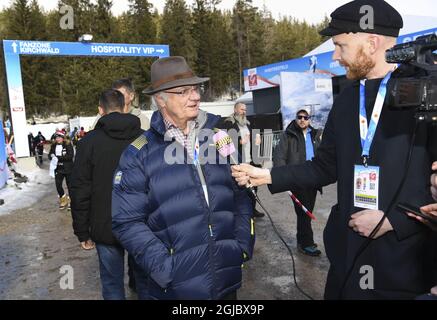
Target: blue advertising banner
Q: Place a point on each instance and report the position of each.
(48, 48)
(269, 76)
(14, 48)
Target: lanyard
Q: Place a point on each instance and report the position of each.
(196, 152)
(367, 132)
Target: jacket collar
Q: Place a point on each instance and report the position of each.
(205, 120)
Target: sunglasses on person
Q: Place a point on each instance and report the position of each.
(306, 118)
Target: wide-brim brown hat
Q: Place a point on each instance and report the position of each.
(171, 72)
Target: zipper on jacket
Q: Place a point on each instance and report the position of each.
(211, 242)
(211, 233)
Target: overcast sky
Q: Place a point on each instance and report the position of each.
(312, 11)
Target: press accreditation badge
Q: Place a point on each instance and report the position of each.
(366, 187)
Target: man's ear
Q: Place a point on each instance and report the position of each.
(160, 101)
(101, 111)
(374, 43)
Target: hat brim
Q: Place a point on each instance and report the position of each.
(330, 32)
(174, 84)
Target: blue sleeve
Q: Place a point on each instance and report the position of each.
(244, 224)
(129, 215)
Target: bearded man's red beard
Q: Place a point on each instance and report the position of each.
(360, 68)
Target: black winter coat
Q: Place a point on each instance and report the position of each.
(291, 148)
(65, 161)
(97, 157)
(400, 258)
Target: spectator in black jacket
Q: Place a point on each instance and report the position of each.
(97, 157)
(30, 139)
(38, 143)
(63, 151)
(298, 144)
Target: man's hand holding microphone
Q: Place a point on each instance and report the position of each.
(246, 174)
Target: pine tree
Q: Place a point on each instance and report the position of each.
(247, 31)
(103, 21)
(141, 24)
(19, 22)
(176, 25)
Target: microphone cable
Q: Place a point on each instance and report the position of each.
(253, 194)
(222, 139)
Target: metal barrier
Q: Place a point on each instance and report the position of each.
(269, 141)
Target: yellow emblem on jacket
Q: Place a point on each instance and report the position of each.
(139, 142)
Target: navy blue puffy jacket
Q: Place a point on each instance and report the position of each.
(188, 250)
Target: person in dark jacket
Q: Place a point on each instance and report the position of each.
(63, 151)
(396, 264)
(30, 139)
(38, 143)
(97, 157)
(245, 143)
(298, 144)
(185, 220)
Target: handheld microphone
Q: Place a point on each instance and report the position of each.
(224, 144)
(226, 148)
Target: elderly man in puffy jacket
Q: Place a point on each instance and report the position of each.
(186, 222)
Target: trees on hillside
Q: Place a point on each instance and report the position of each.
(218, 44)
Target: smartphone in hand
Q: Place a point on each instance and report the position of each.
(416, 211)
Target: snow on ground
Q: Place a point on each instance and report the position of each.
(22, 195)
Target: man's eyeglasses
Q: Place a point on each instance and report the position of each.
(306, 118)
(187, 91)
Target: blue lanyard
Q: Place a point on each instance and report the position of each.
(367, 132)
(196, 152)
